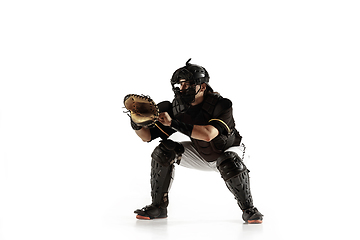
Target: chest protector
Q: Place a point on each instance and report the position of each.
(213, 106)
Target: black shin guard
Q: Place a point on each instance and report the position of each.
(161, 178)
(162, 170)
(236, 177)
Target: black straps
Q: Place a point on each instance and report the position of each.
(168, 152)
(134, 125)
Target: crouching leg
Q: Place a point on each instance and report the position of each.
(162, 172)
(236, 177)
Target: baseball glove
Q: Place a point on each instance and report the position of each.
(143, 110)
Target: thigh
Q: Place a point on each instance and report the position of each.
(192, 159)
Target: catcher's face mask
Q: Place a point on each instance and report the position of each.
(185, 92)
(184, 89)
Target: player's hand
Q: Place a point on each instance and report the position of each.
(165, 119)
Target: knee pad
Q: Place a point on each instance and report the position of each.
(167, 152)
(229, 165)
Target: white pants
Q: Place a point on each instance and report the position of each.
(192, 159)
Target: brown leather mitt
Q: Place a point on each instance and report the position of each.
(143, 110)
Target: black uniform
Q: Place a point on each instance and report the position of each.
(214, 110)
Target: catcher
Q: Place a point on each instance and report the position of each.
(215, 144)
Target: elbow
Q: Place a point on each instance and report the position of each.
(204, 133)
(209, 137)
(213, 133)
(146, 139)
(210, 134)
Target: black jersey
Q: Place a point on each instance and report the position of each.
(214, 110)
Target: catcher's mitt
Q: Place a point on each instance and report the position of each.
(143, 110)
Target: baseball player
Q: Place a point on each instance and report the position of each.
(214, 142)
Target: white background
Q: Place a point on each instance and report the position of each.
(72, 168)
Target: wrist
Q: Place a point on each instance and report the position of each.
(135, 126)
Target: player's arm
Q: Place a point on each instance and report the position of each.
(200, 132)
(223, 112)
(204, 133)
(144, 134)
(149, 134)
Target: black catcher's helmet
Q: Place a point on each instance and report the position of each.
(193, 73)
